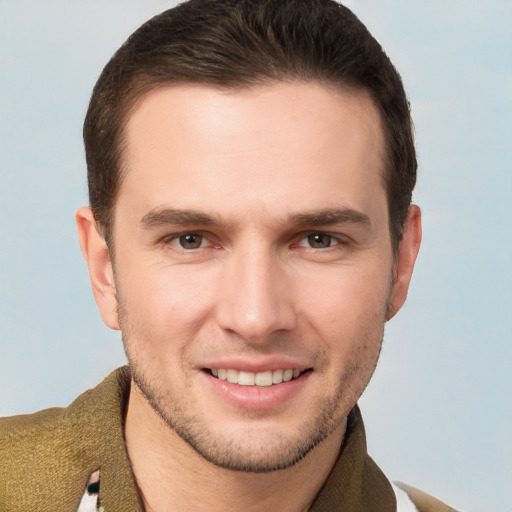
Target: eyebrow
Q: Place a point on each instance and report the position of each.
(162, 217)
(159, 217)
(330, 217)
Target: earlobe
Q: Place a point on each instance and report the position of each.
(405, 259)
(99, 264)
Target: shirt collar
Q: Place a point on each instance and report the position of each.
(355, 484)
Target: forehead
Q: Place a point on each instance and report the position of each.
(281, 145)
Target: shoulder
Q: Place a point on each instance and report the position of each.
(50, 455)
(35, 452)
(21, 436)
(410, 499)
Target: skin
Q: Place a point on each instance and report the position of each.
(290, 263)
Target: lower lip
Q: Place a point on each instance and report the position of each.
(256, 398)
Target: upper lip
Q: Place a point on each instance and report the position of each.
(257, 366)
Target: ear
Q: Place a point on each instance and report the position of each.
(404, 264)
(99, 264)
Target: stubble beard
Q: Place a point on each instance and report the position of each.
(231, 452)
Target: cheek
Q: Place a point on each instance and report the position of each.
(347, 299)
(167, 302)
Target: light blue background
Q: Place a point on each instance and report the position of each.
(439, 410)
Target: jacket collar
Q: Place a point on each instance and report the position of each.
(355, 484)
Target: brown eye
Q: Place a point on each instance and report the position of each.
(319, 240)
(190, 241)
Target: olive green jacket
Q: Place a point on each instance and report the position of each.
(47, 459)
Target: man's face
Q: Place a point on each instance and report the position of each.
(251, 244)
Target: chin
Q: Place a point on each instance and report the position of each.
(252, 445)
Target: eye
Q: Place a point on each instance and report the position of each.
(190, 241)
(319, 241)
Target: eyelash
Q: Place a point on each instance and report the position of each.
(168, 240)
(334, 240)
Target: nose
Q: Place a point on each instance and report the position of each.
(256, 300)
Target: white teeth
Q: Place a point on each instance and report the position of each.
(246, 378)
(232, 376)
(261, 379)
(277, 376)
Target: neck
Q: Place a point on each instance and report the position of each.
(170, 474)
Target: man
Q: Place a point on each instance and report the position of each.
(250, 231)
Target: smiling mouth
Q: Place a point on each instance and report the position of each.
(260, 379)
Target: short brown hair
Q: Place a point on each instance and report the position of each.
(240, 43)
